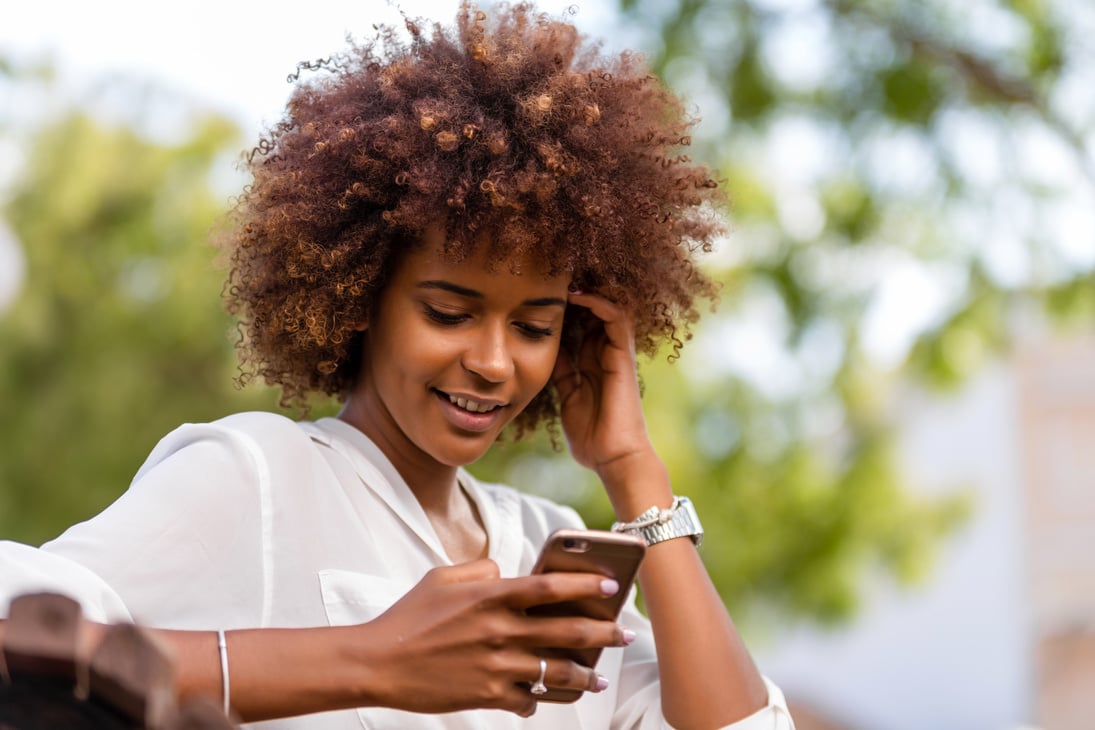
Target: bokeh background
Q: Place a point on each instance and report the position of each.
(888, 424)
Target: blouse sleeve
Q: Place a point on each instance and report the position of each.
(639, 704)
(183, 546)
(25, 570)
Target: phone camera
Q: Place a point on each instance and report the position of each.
(575, 545)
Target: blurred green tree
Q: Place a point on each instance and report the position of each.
(866, 145)
(912, 184)
(117, 334)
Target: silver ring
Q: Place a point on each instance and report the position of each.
(538, 687)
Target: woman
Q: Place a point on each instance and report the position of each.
(471, 232)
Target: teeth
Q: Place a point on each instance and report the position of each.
(470, 405)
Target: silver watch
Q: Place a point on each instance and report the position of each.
(658, 525)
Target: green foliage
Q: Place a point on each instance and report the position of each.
(847, 149)
(886, 98)
(793, 526)
(911, 91)
(1074, 301)
(117, 335)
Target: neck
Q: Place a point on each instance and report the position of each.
(455, 519)
(433, 484)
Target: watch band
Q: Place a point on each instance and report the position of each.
(658, 525)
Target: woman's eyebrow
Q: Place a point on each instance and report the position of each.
(463, 291)
(450, 287)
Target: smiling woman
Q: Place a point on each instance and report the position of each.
(521, 141)
(475, 230)
(453, 353)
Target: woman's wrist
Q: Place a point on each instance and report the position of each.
(635, 483)
(274, 672)
(367, 685)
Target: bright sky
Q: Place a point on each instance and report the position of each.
(234, 53)
(232, 56)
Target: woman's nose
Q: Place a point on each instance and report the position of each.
(487, 354)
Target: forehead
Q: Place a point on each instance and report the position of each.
(488, 259)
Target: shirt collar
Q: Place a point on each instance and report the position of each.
(499, 509)
(379, 476)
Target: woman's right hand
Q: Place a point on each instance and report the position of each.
(460, 640)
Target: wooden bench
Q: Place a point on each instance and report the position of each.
(127, 684)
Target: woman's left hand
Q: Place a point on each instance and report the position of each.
(707, 677)
(601, 410)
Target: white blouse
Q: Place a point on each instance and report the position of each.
(258, 521)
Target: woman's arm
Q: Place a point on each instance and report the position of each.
(708, 678)
(458, 640)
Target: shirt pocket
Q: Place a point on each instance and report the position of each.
(354, 598)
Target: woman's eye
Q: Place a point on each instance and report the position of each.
(444, 317)
(535, 333)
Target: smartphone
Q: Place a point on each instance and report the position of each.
(611, 554)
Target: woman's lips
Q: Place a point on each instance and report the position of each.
(466, 412)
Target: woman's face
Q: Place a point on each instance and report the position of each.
(454, 352)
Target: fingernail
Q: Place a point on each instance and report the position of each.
(573, 289)
(602, 683)
(628, 636)
(609, 587)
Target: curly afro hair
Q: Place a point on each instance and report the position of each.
(509, 123)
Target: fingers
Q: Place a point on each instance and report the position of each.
(518, 674)
(566, 629)
(566, 379)
(481, 578)
(565, 674)
(476, 570)
(462, 639)
(554, 674)
(605, 309)
(616, 319)
(564, 371)
(558, 673)
(536, 590)
(537, 686)
(612, 348)
(576, 632)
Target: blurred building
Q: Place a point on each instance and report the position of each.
(1056, 384)
(1002, 636)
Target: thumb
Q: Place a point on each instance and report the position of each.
(482, 569)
